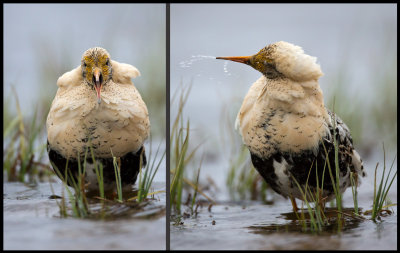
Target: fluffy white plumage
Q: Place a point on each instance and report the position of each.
(119, 124)
(293, 63)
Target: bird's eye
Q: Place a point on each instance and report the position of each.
(107, 62)
(84, 64)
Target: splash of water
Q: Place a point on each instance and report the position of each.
(197, 58)
(226, 71)
(194, 58)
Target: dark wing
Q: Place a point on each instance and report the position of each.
(345, 145)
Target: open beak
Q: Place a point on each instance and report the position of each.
(98, 83)
(241, 59)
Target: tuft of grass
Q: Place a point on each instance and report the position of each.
(100, 179)
(316, 212)
(23, 155)
(118, 177)
(335, 180)
(381, 193)
(117, 172)
(196, 188)
(146, 180)
(181, 157)
(79, 200)
(179, 143)
(181, 146)
(80, 206)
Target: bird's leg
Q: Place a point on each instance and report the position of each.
(322, 203)
(293, 200)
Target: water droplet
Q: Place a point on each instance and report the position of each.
(194, 58)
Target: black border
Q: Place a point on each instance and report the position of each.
(167, 134)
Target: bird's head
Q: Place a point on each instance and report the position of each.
(282, 59)
(96, 69)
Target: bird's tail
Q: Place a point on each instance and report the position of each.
(358, 165)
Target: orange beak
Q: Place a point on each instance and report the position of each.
(241, 59)
(98, 81)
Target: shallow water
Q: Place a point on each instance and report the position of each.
(32, 221)
(255, 226)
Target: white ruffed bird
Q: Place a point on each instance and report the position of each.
(98, 108)
(287, 128)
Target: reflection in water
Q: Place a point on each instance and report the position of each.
(296, 225)
(111, 210)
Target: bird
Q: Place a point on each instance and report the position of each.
(287, 128)
(98, 113)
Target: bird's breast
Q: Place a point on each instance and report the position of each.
(267, 128)
(110, 134)
(110, 129)
(276, 130)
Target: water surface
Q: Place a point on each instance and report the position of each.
(256, 226)
(32, 221)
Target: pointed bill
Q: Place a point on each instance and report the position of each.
(241, 59)
(98, 84)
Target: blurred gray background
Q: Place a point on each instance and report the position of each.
(356, 46)
(43, 41)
